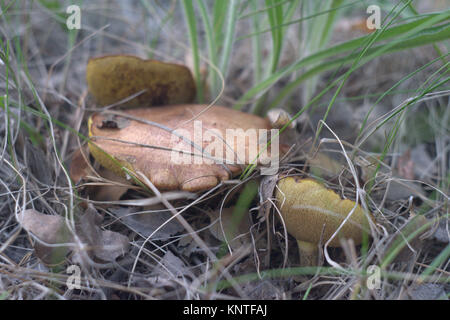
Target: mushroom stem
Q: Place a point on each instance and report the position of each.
(309, 253)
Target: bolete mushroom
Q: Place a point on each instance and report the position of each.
(194, 157)
(175, 144)
(313, 213)
(115, 78)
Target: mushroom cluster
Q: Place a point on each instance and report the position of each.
(160, 126)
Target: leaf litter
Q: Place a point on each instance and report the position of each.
(54, 239)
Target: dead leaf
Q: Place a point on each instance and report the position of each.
(114, 78)
(146, 223)
(105, 245)
(48, 229)
(111, 245)
(172, 266)
(147, 147)
(52, 230)
(188, 245)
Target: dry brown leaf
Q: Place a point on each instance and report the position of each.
(49, 230)
(147, 148)
(114, 78)
(187, 245)
(52, 230)
(171, 266)
(111, 245)
(146, 223)
(104, 244)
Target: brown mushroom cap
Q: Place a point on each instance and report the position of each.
(114, 78)
(307, 208)
(137, 145)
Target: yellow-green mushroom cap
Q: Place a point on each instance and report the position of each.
(307, 208)
(115, 78)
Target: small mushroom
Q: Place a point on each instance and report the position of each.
(313, 213)
(143, 140)
(279, 118)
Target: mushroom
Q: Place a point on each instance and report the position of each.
(116, 78)
(313, 213)
(145, 140)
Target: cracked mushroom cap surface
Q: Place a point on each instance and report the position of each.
(141, 141)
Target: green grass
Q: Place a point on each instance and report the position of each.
(325, 271)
